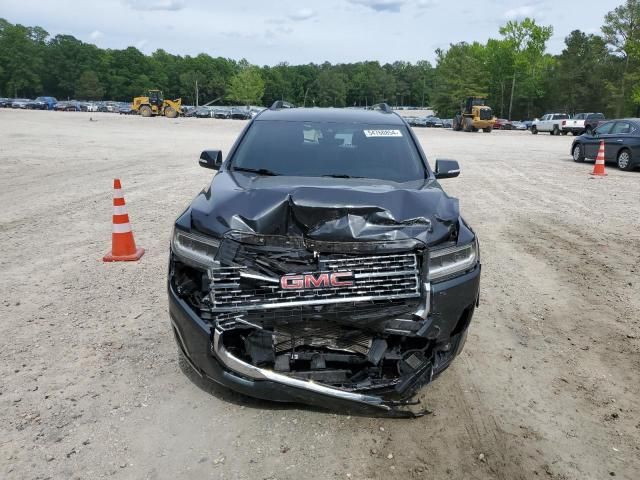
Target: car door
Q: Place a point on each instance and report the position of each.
(622, 134)
(542, 123)
(592, 142)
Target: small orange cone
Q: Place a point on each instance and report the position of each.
(123, 246)
(598, 168)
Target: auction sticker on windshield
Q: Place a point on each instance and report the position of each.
(382, 133)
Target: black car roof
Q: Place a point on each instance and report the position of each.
(343, 115)
(635, 120)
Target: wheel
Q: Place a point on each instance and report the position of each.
(170, 112)
(145, 111)
(534, 130)
(555, 131)
(578, 153)
(624, 160)
(487, 130)
(457, 124)
(467, 124)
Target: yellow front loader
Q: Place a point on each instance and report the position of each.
(155, 104)
(474, 115)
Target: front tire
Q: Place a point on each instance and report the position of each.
(487, 130)
(555, 131)
(578, 153)
(624, 160)
(170, 112)
(145, 111)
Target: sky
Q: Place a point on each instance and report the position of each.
(267, 32)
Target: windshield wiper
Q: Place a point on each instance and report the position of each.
(259, 171)
(337, 175)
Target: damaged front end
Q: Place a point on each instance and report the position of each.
(294, 319)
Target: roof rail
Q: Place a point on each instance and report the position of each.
(278, 104)
(383, 107)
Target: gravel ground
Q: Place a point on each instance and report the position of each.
(547, 386)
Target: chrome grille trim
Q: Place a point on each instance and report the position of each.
(381, 277)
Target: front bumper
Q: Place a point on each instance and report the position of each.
(450, 308)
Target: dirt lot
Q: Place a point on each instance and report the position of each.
(547, 387)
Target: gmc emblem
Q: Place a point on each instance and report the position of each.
(321, 280)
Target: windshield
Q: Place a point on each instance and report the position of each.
(347, 150)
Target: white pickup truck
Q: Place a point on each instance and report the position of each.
(581, 123)
(551, 122)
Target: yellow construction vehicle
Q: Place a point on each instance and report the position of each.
(155, 104)
(474, 115)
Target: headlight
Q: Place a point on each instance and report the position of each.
(449, 261)
(198, 250)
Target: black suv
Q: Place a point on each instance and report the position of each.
(324, 264)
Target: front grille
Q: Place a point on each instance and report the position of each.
(381, 277)
(486, 114)
(320, 334)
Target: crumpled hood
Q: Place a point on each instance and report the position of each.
(325, 209)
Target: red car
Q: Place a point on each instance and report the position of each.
(502, 124)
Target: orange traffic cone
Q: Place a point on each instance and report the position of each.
(598, 168)
(123, 246)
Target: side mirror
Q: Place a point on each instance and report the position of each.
(447, 168)
(211, 159)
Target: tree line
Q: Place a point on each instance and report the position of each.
(514, 71)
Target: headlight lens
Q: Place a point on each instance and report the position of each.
(198, 250)
(449, 261)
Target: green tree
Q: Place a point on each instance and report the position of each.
(528, 42)
(500, 68)
(330, 89)
(247, 87)
(192, 82)
(621, 31)
(461, 72)
(21, 58)
(580, 75)
(89, 87)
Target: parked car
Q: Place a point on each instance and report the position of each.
(20, 103)
(516, 125)
(411, 120)
(433, 122)
(240, 114)
(68, 106)
(582, 122)
(126, 110)
(5, 102)
(92, 107)
(420, 122)
(447, 123)
(551, 122)
(203, 112)
(621, 143)
(222, 113)
(291, 278)
(42, 103)
(502, 124)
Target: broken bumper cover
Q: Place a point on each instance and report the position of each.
(204, 349)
